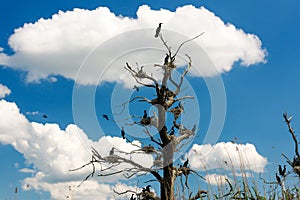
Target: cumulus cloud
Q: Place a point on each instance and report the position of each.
(229, 156)
(59, 45)
(4, 91)
(216, 179)
(88, 190)
(53, 152)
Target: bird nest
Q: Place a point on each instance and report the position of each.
(296, 165)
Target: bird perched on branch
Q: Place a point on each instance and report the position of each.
(172, 131)
(136, 88)
(166, 61)
(145, 120)
(148, 188)
(131, 198)
(281, 171)
(158, 30)
(112, 151)
(278, 179)
(185, 164)
(194, 129)
(145, 114)
(123, 133)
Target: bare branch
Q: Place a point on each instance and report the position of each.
(291, 130)
(152, 138)
(187, 42)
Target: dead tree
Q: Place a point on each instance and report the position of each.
(295, 164)
(165, 144)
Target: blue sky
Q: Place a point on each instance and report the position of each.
(256, 95)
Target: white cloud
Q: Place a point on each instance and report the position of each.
(53, 152)
(58, 46)
(4, 91)
(27, 170)
(227, 156)
(90, 189)
(216, 179)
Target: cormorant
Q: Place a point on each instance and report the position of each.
(278, 179)
(172, 131)
(280, 170)
(284, 170)
(185, 164)
(131, 198)
(166, 61)
(136, 88)
(111, 152)
(145, 114)
(158, 30)
(123, 133)
(194, 129)
(105, 116)
(148, 188)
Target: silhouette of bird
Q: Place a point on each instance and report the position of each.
(112, 151)
(123, 133)
(158, 30)
(136, 88)
(45, 116)
(145, 114)
(148, 188)
(166, 61)
(280, 170)
(105, 116)
(131, 198)
(278, 179)
(284, 170)
(185, 164)
(194, 129)
(172, 131)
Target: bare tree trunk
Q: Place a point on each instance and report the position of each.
(167, 187)
(169, 177)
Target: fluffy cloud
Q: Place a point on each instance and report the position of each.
(227, 156)
(4, 91)
(88, 190)
(59, 45)
(216, 179)
(53, 152)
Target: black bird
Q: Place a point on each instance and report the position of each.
(111, 152)
(158, 30)
(136, 88)
(131, 198)
(105, 116)
(284, 170)
(145, 114)
(280, 170)
(166, 61)
(172, 131)
(45, 116)
(278, 179)
(185, 164)
(194, 129)
(148, 188)
(123, 133)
